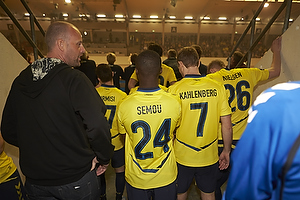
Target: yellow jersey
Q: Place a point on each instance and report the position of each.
(149, 118)
(203, 102)
(239, 83)
(111, 97)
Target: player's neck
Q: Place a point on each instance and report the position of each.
(192, 70)
(148, 84)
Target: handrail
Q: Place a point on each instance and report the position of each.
(286, 3)
(24, 33)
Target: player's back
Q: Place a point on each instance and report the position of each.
(149, 117)
(111, 97)
(203, 102)
(240, 84)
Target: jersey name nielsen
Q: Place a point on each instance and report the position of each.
(232, 76)
(151, 109)
(108, 98)
(198, 94)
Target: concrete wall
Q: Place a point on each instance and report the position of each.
(10, 66)
(290, 59)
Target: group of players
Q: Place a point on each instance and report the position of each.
(172, 134)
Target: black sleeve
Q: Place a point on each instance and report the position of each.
(88, 103)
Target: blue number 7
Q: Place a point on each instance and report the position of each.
(112, 114)
(202, 118)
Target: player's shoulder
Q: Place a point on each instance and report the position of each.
(166, 67)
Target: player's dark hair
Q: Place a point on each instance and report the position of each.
(188, 56)
(104, 72)
(148, 63)
(156, 48)
(133, 58)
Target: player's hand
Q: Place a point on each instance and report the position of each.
(276, 45)
(224, 161)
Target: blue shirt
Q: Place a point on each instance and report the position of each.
(257, 161)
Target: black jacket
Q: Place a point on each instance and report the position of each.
(57, 121)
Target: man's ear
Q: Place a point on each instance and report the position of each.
(60, 44)
(180, 64)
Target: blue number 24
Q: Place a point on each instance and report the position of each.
(162, 137)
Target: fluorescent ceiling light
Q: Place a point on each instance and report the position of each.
(65, 15)
(188, 17)
(266, 5)
(153, 16)
(68, 1)
(222, 18)
(27, 14)
(257, 19)
(119, 16)
(172, 17)
(101, 15)
(291, 20)
(136, 16)
(206, 18)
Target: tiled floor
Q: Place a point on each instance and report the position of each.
(193, 193)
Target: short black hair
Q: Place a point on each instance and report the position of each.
(156, 48)
(104, 72)
(148, 63)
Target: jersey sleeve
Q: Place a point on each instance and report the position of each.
(134, 76)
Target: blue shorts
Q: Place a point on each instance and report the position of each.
(168, 192)
(118, 159)
(205, 177)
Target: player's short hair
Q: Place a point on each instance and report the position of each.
(133, 58)
(215, 64)
(188, 56)
(198, 49)
(156, 48)
(111, 58)
(148, 63)
(172, 53)
(104, 72)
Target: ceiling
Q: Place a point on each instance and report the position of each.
(195, 8)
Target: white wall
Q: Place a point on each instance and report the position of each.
(10, 66)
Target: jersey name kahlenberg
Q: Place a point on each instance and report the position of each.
(198, 94)
(150, 109)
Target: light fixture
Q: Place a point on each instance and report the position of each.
(206, 18)
(136, 16)
(153, 31)
(266, 5)
(65, 15)
(101, 15)
(85, 33)
(136, 30)
(44, 15)
(222, 18)
(119, 16)
(257, 19)
(188, 17)
(153, 16)
(26, 14)
(291, 20)
(172, 17)
(67, 1)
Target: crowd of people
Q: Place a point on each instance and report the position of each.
(172, 125)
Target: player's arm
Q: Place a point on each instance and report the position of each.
(131, 83)
(274, 70)
(226, 128)
(1, 144)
